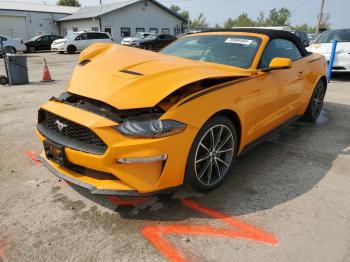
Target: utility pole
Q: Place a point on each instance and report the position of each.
(320, 17)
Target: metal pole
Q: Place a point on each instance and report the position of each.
(320, 17)
(331, 60)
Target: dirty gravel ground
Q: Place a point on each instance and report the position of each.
(295, 186)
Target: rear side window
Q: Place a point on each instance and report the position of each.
(97, 36)
(279, 48)
(339, 35)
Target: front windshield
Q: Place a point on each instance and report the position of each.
(233, 50)
(34, 38)
(71, 36)
(140, 35)
(329, 36)
(150, 37)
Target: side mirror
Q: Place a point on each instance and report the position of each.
(278, 63)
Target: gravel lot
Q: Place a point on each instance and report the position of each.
(295, 187)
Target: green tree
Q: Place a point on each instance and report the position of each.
(199, 22)
(261, 19)
(68, 2)
(278, 17)
(241, 21)
(177, 9)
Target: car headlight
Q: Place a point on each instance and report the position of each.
(149, 126)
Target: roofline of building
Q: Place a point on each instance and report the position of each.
(35, 11)
(152, 1)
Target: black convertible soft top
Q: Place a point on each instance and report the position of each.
(271, 33)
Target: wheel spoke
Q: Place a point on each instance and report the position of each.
(204, 169)
(225, 150)
(210, 170)
(217, 168)
(222, 161)
(202, 159)
(202, 145)
(212, 138)
(224, 142)
(218, 137)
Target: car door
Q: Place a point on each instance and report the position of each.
(82, 41)
(281, 90)
(45, 43)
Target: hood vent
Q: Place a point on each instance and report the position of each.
(131, 72)
(84, 62)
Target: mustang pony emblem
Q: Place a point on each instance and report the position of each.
(60, 125)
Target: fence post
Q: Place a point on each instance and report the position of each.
(331, 60)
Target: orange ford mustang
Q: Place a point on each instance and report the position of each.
(137, 122)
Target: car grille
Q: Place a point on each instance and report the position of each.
(72, 135)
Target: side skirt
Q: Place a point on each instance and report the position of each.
(270, 134)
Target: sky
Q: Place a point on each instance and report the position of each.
(217, 11)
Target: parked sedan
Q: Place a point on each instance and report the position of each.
(41, 42)
(323, 45)
(154, 42)
(136, 37)
(134, 122)
(12, 45)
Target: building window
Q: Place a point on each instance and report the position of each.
(108, 30)
(125, 31)
(75, 29)
(140, 29)
(153, 30)
(166, 31)
(95, 29)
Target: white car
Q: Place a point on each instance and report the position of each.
(12, 45)
(137, 36)
(323, 45)
(77, 41)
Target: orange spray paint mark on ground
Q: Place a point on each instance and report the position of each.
(156, 234)
(129, 201)
(31, 155)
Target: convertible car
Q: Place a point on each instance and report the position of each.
(135, 122)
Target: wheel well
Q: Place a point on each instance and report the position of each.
(324, 79)
(72, 46)
(235, 120)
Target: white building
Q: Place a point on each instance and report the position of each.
(25, 20)
(124, 18)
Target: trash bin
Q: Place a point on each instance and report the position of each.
(17, 69)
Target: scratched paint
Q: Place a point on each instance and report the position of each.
(156, 233)
(31, 155)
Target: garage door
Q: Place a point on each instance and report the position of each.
(14, 26)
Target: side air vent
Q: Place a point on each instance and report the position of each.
(84, 62)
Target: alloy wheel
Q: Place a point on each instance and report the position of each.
(214, 155)
(317, 100)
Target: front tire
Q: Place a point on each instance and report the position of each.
(316, 102)
(71, 49)
(212, 154)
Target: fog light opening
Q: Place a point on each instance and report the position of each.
(135, 160)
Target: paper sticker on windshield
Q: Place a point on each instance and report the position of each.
(241, 41)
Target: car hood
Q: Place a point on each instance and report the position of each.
(60, 40)
(129, 78)
(326, 48)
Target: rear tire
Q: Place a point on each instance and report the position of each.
(71, 49)
(3, 80)
(212, 154)
(9, 50)
(316, 102)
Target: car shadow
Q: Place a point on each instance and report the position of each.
(340, 77)
(274, 172)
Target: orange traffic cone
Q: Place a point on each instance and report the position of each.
(46, 73)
